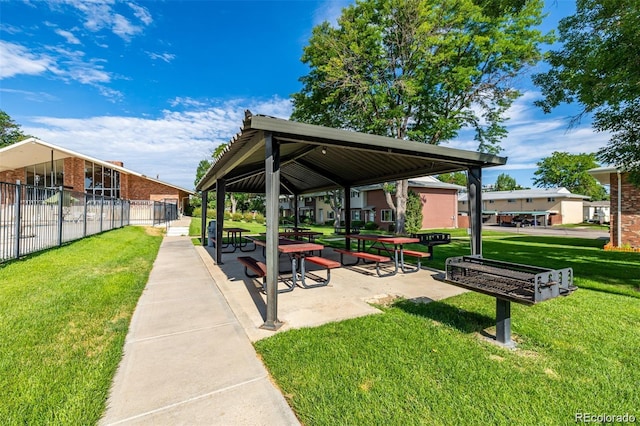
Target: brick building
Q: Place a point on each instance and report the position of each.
(624, 227)
(369, 204)
(39, 163)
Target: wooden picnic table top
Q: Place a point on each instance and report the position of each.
(286, 245)
(235, 230)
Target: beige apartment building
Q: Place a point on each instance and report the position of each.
(537, 207)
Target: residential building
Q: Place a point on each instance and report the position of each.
(624, 226)
(369, 204)
(38, 163)
(550, 206)
(597, 211)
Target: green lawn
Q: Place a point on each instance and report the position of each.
(64, 315)
(426, 364)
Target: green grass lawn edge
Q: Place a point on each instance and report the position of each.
(64, 316)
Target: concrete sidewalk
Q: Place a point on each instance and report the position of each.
(187, 360)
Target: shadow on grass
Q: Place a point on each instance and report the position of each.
(465, 321)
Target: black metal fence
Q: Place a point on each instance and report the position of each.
(152, 212)
(34, 218)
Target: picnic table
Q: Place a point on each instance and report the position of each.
(235, 240)
(299, 252)
(391, 245)
(298, 235)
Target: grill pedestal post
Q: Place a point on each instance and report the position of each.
(503, 322)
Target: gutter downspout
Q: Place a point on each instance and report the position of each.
(618, 223)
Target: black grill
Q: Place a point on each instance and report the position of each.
(508, 282)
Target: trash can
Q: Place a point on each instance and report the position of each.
(211, 230)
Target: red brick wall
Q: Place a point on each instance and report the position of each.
(11, 176)
(439, 207)
(74, 174)
(138, 188)
(629, 212)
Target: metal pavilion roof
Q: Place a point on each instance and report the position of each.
(315, 158)
(275, 156)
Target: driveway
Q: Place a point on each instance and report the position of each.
(554, 231)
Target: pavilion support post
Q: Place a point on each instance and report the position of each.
(203, 224)
(347, 216)
(272, 190)
(474, 186)
(220, 193)
(295, 211)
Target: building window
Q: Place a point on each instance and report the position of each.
(529, 200)
(100, 180)
(330, 215)
(492, 201)
(387, 215)
(511, 200)
(355, 194)
(355, 215)
(551, 199)
(48, 174)
(464, 202)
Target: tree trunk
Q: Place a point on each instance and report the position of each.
(402, 192)
(234, 204)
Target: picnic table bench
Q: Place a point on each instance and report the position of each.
(361, 255)
(431, 239)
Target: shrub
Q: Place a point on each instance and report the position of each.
(236, 217)
(248, 217)
(371, 226)
(227, 215)
(197, 212)
(259, 218)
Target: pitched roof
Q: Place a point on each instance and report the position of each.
(315, 158)
(526, 193)
(603, 174)
(420, 182)
(35, 151)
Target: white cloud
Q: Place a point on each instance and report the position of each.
(17, 59)
(141, 13)
(68, 35)
(167, 57)
(330, 10)
(123, 28)
(31, 96)
(533, 136)
(170, 146)
(99, 15)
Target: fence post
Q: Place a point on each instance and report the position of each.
(18, 219)
(60, 213)
(101, 210)
(84, 222)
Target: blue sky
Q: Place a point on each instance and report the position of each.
(159, 84)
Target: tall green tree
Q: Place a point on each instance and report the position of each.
(562, 169)
(457, 178)
(598, 67)
(419, 70)
(414, 213)
(10, 131)
(504, 182)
